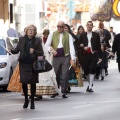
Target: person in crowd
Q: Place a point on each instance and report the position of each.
(112, 35)
(46, 32)
(30, 48)
(11, 32)
(102, 65)
(80, 31)
(116, 49)
(72, 74)
(79, 52)
(112, 38)
(60, 44)
(104, 38)
(90, 41)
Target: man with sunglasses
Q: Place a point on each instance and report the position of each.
(90, 42)
(60, 44)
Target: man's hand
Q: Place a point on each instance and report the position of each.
(53, 51)
(99, 61)
(86, 48)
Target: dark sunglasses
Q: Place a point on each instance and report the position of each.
(60, 26)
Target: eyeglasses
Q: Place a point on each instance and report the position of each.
(60, 26)
(31, 29)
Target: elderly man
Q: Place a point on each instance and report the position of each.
(60, 44)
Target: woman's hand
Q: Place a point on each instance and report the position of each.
(31, 50)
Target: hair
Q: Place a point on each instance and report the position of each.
(79, 29)
(46, 31)
(26, 29)
(67, 27)
(104, 46)
(111, 27)
(90, 22)
(100, 23)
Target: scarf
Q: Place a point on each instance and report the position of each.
(29, 43)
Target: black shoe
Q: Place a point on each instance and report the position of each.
(96, 77)
(87, 90)
(26, 104)
(106, 73)
(69, 89)
(32, 105)
(90, 90)
(64, 96)
(53, 96)
(38, 97)
(29, 97)
(102, 78)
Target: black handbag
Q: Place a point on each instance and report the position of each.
(41, 65)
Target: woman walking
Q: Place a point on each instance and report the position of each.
(29, 47)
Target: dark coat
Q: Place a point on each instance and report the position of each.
(107, 35)
(95, 42)
(116, 48)
(27, 75)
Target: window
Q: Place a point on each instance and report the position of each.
(2, 50)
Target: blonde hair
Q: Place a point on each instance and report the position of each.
(26, 29)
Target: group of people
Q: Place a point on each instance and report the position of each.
(61, 49)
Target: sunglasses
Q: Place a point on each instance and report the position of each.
(60, 26)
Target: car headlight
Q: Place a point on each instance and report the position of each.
(3, 64)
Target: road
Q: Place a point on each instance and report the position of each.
(102, 104)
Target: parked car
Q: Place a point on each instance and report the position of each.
(8, 62)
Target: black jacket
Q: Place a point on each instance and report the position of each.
(95, 42)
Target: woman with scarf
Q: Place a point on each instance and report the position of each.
(30, 48)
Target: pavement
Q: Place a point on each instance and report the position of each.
(102, 104)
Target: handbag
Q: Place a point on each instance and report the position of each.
(41, 65)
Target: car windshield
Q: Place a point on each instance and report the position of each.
(2, 50)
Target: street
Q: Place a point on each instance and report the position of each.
(102, 104)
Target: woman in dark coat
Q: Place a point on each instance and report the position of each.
(29, 47)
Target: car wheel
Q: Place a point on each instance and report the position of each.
(5, 87)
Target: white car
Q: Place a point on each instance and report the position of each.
(7, 62)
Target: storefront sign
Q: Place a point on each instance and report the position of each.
(115, 7)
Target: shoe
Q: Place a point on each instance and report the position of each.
(102, 78)
(90, 90)
(87, 90)
(30, 97)
(69, 89)
(32, 106)
(26, 104)
(106, 73)
(64, 96)
(38, 97)
(96, 77)
(53, 96)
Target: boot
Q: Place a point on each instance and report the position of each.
(25, 91)
(32, 103)
(33, 90)
(26, 103)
